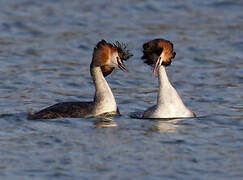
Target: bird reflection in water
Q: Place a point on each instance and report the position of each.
(165, 126)
(105, 121)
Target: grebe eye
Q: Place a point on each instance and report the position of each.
(118, 58)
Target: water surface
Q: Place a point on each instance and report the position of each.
(45, 52)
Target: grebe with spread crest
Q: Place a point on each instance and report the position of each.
(159, 52)
(106, 57)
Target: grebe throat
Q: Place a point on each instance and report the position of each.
(104, 99)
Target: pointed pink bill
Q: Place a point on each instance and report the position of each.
(121, 65)
(156, 67)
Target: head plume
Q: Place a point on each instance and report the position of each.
(153, 49)
(123, 52)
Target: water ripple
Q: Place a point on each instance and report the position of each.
(45, 51)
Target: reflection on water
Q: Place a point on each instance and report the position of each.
(105, 123)
(45, 51)
(169, 126)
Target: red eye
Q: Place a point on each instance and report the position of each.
(118, 59)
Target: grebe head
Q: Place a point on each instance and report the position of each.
(124, 54)
(158, 52)
(109, 56)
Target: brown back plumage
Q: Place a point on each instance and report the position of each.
(154, 48)
(103, 50)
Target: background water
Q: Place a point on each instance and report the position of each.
(45, 52)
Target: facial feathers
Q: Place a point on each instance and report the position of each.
(106, 70)
(102, 53)
(104, 50)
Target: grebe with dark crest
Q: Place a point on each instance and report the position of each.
(106, 57)
(159, 52)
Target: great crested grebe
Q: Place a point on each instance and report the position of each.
(106, 57)
(169, 104)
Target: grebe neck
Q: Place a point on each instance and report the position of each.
(167, 94)
(169, 103)
(104, 99)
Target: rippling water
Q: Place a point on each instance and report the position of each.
(45, 51)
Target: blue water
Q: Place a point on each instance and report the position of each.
(45, 51)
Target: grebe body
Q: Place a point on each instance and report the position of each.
(169, 104)
(106, 57)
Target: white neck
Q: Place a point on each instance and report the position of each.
(169, 103)
(167, 93)
(104, 99)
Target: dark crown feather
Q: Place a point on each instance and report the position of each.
(152, 48)
(123, 52)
